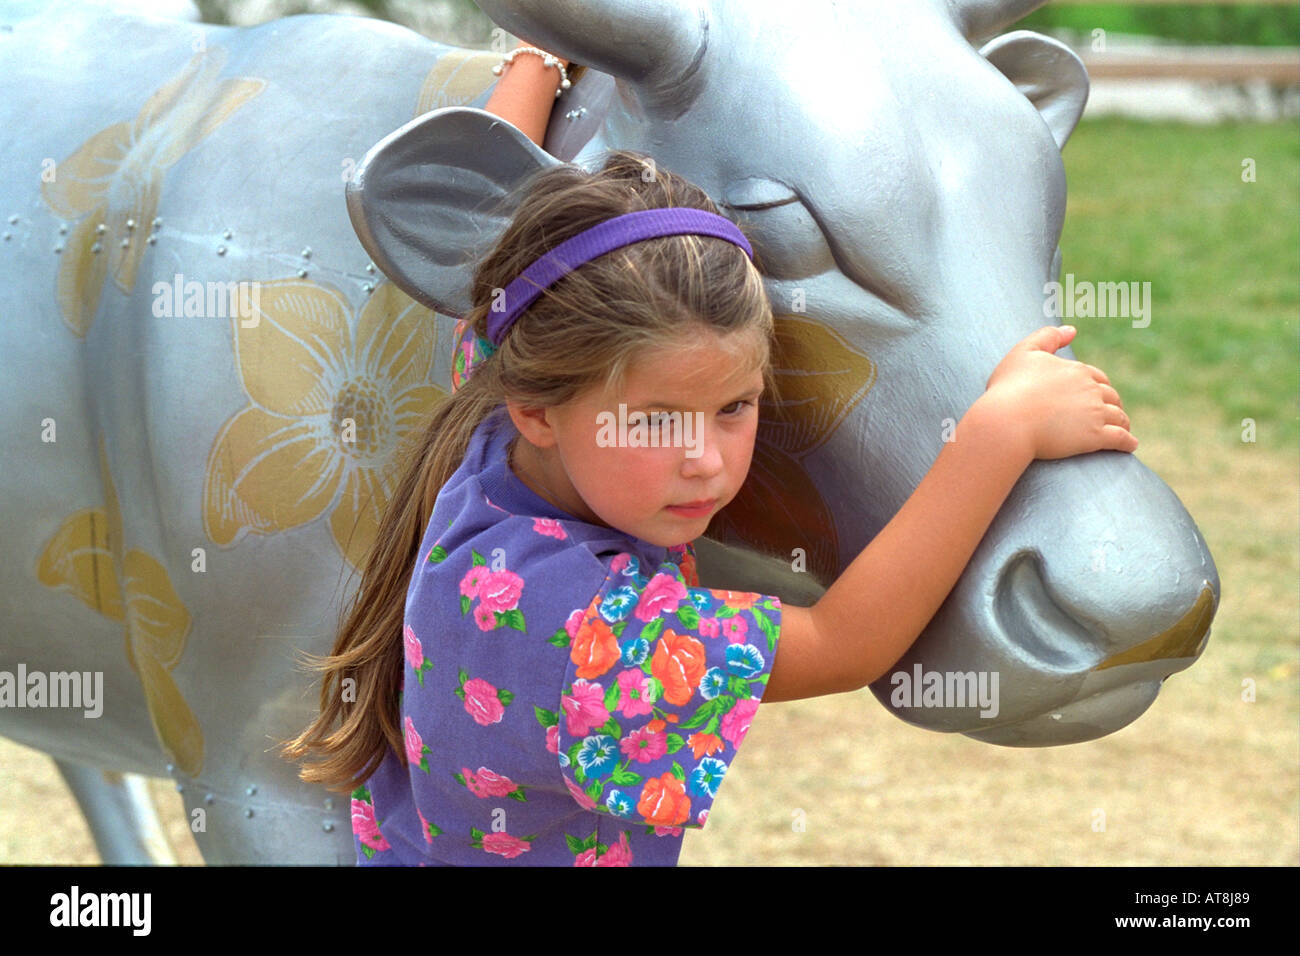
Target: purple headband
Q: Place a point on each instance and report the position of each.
(600, 239)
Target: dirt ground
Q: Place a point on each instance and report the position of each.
(1203, 778)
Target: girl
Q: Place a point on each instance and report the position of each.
(529, 671)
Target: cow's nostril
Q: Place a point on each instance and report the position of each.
(1038, 624)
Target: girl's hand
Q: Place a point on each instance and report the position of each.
(1060, 407)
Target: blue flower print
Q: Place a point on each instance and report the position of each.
(744, 660)
(619, 804)
(713, 683)
(701, 598)
(634, 650)
(707, 777)
(618, 604)
(632, 567)
(598, 755)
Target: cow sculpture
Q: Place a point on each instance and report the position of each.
(207, 375)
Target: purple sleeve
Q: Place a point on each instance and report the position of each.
(662, 683)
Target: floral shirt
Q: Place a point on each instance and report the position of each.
(571, 695)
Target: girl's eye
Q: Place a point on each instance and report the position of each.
(738, 407)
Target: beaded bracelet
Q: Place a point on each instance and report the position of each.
(547, 60)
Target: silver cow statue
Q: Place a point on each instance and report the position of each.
(208, 373)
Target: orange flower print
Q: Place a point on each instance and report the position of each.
(704, 745)
(664, 802)
(595, 648)
(678, 664)
(741, 600)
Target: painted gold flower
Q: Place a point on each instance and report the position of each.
(85, 556)
(116, 176)
(821, 378)
(458, 78)
(327, 413)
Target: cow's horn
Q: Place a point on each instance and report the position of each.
(651, 44)
(980, 19)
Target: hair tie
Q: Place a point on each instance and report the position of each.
(468, 352)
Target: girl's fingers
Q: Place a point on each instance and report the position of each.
(1116, 416)
(1111, 396)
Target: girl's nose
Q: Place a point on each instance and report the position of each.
(702, 454)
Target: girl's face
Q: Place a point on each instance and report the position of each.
(583, 458)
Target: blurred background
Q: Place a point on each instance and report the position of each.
(1185, 172)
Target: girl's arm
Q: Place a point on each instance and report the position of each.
(1037, 405)
(525, 94)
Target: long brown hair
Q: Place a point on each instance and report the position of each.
(584, 331)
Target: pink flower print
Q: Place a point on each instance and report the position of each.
(703, 818)
(586, 858)
(414, 652)
(735, 723)
(644, 745)
(485, 618)
(708, 627)
(424, 827)
(415, 748)
(503, 844)
(584, 801)
(663, 593)
(584, 708)
(668, 831)
(734, 628)
(473, 580)
(500, 590)
(620, 562)
(620, 854)
(549, 527)
(634, 693)
(483, 701)
(574, 622)
(486, 784)
(365, 827)
(553, 738)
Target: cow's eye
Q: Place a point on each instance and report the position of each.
(787, 239)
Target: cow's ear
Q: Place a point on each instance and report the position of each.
(1047, 72)
(432, 197)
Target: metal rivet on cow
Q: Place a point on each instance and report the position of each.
(370, 267)
(306, 252)
(58, 249)
(227, 235)
(13, 219)
(209, 799)
(95, 248)
(248, 812)
(130, 224)
(221, 250)
(180, 787)
(368, 288)
(250, 790)
(157, 222)
(63, 230)
(329, 803)
(6, 237)
(327, 827)
(302, 273)
(152, 240)
(101, 228)
(171, 767)
(125, 243)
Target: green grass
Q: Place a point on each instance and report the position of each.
(1165, 203)
(1248, 24)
